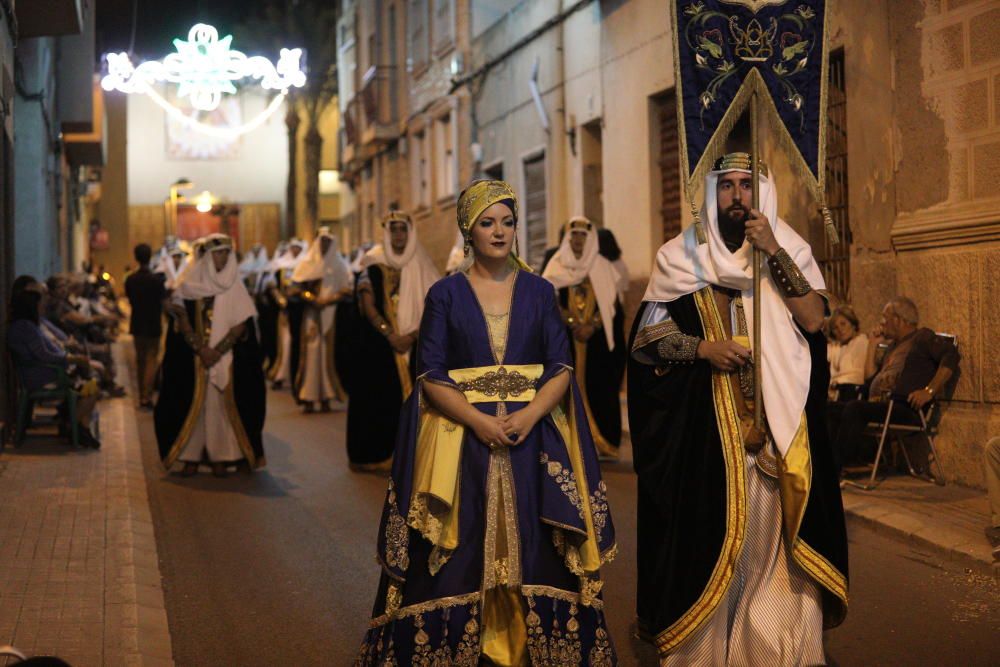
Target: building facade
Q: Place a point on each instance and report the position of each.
(406, 137)
(572, 101)
(49, 175)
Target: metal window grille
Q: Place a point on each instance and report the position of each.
(836, 261)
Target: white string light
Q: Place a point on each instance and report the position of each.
(204, 69)
(230, 132)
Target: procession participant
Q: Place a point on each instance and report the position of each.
(496, 522)
(250, 267)
(588, 296)
(741, 538)
(173, 259)
(268, 308)
(394, 280)
(607, 245)
(212, 400)
(290, 316)
(326, 279)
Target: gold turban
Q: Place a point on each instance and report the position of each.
(743, 161)
(480, 196)
(397, 216)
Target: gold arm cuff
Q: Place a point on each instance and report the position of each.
(787, 275)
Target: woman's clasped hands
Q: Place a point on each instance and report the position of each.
(506, 430)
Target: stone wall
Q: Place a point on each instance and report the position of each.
(923, 104)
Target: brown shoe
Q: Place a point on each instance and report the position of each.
(219, 470)
(190, 469)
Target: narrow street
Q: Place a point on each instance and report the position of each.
(278, 567)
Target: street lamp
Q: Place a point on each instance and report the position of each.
(204, 200)
(179, 184)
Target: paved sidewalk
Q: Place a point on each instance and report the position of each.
(948, 519)
(79, 575)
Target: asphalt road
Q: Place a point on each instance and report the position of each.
(278, 567)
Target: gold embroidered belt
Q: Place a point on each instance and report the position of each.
(486, 384)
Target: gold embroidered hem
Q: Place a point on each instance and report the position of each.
(728, 423)
(525, 590)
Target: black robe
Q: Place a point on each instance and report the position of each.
(685, 493)
(346, 337)
(601, 376)
(375, 389)
(267, 323)
(294, 311)
(180, 370)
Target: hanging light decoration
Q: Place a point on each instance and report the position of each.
(204, 68)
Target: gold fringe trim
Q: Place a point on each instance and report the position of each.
(716, 145)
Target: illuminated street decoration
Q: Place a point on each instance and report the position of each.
(204, 68)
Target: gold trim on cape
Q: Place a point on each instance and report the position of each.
(736, 509)
(586, 314)
(197, 402)
(390, 283)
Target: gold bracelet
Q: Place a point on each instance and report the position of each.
(787, 276)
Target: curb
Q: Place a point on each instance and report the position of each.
(135, 612)
(965, 554)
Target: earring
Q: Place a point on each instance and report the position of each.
(468, 247)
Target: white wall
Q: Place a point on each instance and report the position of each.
(259, 175)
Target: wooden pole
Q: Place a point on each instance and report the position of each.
(758, 404)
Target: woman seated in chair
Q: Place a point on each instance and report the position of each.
(36, 358)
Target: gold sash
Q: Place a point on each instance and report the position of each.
(434, 508)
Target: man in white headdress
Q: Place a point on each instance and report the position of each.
(290, 318)
(212, 401)
(391, 288)
(253, 264)
(588, 285)
(741, 538)
(173, 259)
(325, 278)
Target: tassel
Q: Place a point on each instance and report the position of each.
(699, 228)
(831, 229)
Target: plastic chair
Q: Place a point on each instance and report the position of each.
(929, 416)
(60, 391)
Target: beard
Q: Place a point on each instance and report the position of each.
(732, 225)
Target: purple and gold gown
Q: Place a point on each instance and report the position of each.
(492, 554)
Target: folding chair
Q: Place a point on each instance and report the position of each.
(60, 391)
(929, 417)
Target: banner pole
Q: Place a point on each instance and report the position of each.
(758, 404)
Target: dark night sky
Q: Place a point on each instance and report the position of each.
(160, 21)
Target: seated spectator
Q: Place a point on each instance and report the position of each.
(66, 310)
(30, 348)
(846, 353)
(61, 311)
(915, 368)
(992, 460)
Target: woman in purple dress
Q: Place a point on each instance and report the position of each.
(496, 520)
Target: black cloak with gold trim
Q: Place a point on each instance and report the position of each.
(184, 379)
(692, 492)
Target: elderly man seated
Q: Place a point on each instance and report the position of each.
(915, 368)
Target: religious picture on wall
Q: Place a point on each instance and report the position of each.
(187, 143)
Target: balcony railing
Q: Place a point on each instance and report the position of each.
(380, 102)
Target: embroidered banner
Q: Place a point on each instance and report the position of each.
(726, 49)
